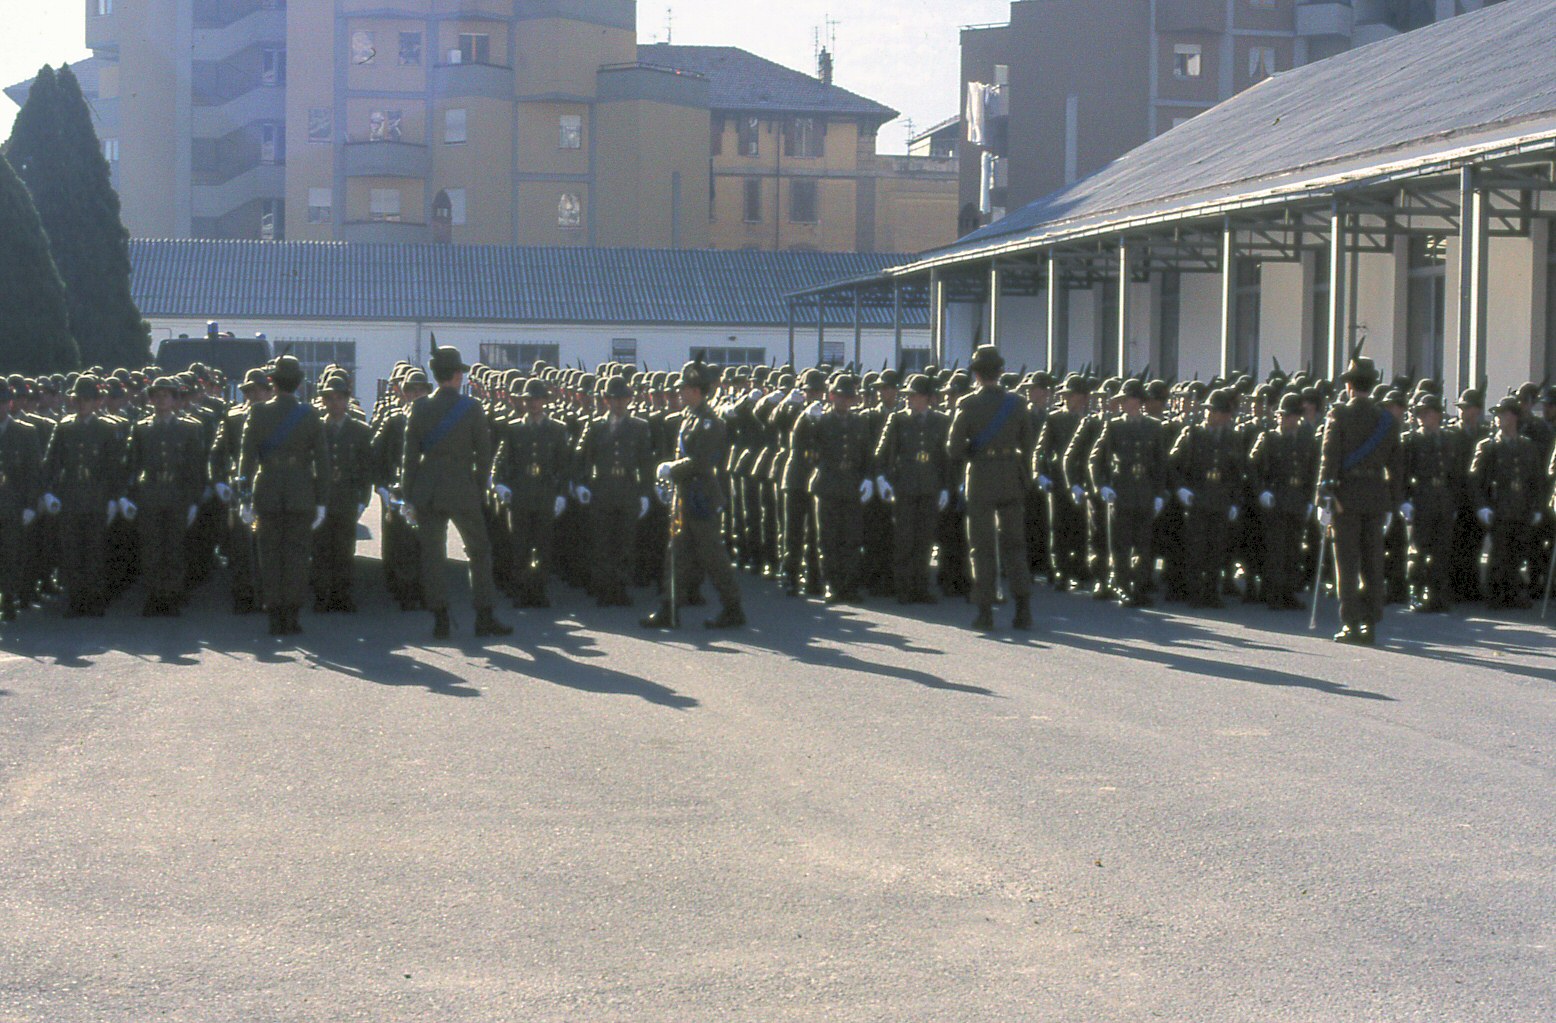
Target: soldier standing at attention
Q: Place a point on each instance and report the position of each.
(696, 533)
(1358, 471)
(283, 453)
(530, 474)
(615, 458)
(1283, 468)
(840, 485)
(1128, 467)
(989, 442)
(401, 550)
(348, 447)
(1067, 518)
(166, 478)
(1508, 480)
(1433, 484)
(913, 477)
(1207, 465)
(237, 541)
(447, 458)
(85, 476)
(21, 481)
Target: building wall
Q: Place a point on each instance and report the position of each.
(153, 83)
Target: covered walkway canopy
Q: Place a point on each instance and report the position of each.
(1426, 148)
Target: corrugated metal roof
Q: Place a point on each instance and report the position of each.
(1480, 78)
(346, 281)
(739, 80)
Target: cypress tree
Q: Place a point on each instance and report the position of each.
(34, 319)
(56, 152)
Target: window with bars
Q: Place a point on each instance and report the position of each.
(802, 203)
(753, 201)
(748, 132)
(318, 353)
(521, 355)
(729, 356)
(624, 350)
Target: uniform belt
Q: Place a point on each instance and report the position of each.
(922, 458)
(534, 469)
(989, 454)
(1213, 476)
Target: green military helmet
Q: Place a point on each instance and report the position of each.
(986, 361)
(446, 361)
(1222, 399)
(288, 373)
(1291, 404)
(958, 384)
(844, 385)
(1427, 401)
(86, 388)
(616, 387)
(415, 379)
(535, 388)
(920, 384)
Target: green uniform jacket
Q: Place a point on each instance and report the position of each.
(293, 477)
(617, 465)
(84, 466)
(840, 442)
(166, 463)
(1131, 457)
(912, 453)
(1211, 463)
(21, 468)
(993, 470)
(1508, 477)
(701, 448)
(1433, 478)
(1372, 485)
(450, 475)
(348, 448)
(533, 460)
(1285, 465)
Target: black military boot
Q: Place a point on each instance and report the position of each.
(661, 619)
(440, 623)
(276, 627)
(731, 617)
(486, 624)
(1023, 616)
(294, 622)
(985, 620)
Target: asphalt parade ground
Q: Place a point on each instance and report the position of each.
(836, 814)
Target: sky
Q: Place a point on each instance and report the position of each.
(903, 53)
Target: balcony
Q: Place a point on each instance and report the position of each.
(1325, 19)
(386, 160)
(490, 80)
(266, 181)
(102, 30)
(384, 232)
(249, 108)
(261, 26)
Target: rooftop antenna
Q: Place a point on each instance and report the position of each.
(669, 24)
(824, 43)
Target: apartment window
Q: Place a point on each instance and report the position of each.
(1261, 62)
(321, 124)
(804, 138)
(731, 356)
(317, 353)
(363, 47)
(475, 48)
(456, 204)
(104, 7)
(454, 126)
(410, 49)
(753, 200)
(914, 360)
(272, 143)
(519, 355)
(383, 126)
(270, 220)
(802, 202)
(272, 65)
(749, 136)
(571, 132)
(833, 353)
(1186, 60)
(384, 204)
(111, 150)
(320, 203)
(569, 212)
(624, 350)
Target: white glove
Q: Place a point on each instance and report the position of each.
(194, 512)
(944, 500)
(29, 516)
(1186, 497)
(585, 495)
(1108, 495)
(1484, 515)
(224, 492)
(207, 494)
(883, 487)
(127, 509)
(50, 504)
(756, 393)
(246, 515)
(1044, 483)
(504, 494)
(1407, 511)
(663, 472)
(866, 491)
(1231, 513)
(1388, 520)
(1326, 517)
(361, 510)
(1539, 517)
(642, 507)
(318, 516)
(408, 513)
(1267, 501)
(1157, 505)
(795, 397)
(559, 507)
(113, 511)
(1077, 493)
(816, 410)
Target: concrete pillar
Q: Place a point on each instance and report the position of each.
(1127, 256)
(937, 316)
(1473, 288)
(1058, 316)
(1336, 354)
(1228, 298)
(995, 281)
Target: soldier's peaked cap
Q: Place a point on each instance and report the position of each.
(987, 360)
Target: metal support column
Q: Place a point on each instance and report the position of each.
(896, 324)
(1058, 317)
(1228, 298)
(995, 282)
(1473, 279)
(1126, 261)
(791, 331)
(858, 333)
(821, 327)
(937, 316)
(1337, 355)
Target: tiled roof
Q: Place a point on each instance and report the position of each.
(741, 81)
(347, 281)
(1476, 81)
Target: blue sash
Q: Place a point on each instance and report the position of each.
(450, 420)
(1355, 458)
(271, 444)
(988, 433)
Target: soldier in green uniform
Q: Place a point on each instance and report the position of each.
(21, 481)
(912, 474)
(1507, 478)
(839, 448)
(237, 540)
(876, 567)
(530, 475)
(1433, 484)
(988, 446)
(1465, 433)
(283, 453)
(614, 474)
(1359, 488)
(1067, 516)
(1207, 466)
(400, 547)
(1038, 388)
(84, 474)
(447, 459)
(1128, 468)
(1283, 469)
(696, 533)
(348, 451)
(166, 474)
(800, 559)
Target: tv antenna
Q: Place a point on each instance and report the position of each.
(669, 24)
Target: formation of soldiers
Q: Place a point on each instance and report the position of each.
(949, 483)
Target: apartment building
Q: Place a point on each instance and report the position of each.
(1067, 86)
